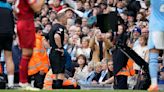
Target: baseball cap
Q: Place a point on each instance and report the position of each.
(137, 29)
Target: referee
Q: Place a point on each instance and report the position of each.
(57, 60)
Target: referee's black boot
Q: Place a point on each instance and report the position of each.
(59, 84)
(54, 84)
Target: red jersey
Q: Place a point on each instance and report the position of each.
(25, 23)
(24, 10)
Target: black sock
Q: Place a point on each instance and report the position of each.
(39, 80)
(59, 84)
(54, 84)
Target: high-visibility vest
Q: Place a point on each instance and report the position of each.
(39, 60)
(69, 82)
(128, 70)
(49, 80)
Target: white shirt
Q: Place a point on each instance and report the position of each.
(103, 73)
(141, 51)
(84, 51)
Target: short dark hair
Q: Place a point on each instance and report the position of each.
(78, 21)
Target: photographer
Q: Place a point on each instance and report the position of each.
(120, 60)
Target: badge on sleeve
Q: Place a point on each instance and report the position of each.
(60, 30)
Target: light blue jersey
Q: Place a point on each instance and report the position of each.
(157, 16)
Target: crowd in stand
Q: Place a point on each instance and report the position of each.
(87, 50)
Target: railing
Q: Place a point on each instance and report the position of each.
(108, 86)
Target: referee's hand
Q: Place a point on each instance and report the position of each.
(60, 50)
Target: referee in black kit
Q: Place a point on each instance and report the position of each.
(57, 60)
(6, 38)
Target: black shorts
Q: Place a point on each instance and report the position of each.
(57, 62)
(6, 42)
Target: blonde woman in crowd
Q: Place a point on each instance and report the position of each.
(85, 50)
(110, 79)
(98, 70)
(141, 50)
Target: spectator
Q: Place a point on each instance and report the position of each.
(55, 5)
(44, 21)
(110, 79)
(81, 72)
(84, 22)
(145, 32)
(97, 69)
(141, 50)
(44, 11)
(105, 73)
(75, 43)
(139, 18)
(78, 22)
(131, 23)
(79, 5)
(70, 22)
(78, 32)
(135, 35)
(52, 16)
(100, 46)
(120, 6)
(71, 30)
(87, 8)
(84, 50)
(46, 29)
(69, 14)
(92, 3)
(124, 18)
(90, 76)
(85, 31)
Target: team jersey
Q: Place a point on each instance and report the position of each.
(25, 12)
(56, 29)
(157, 15)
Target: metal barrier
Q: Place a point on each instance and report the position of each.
(97, 86)
(109, 87)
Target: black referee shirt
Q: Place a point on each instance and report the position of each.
(56, 29)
